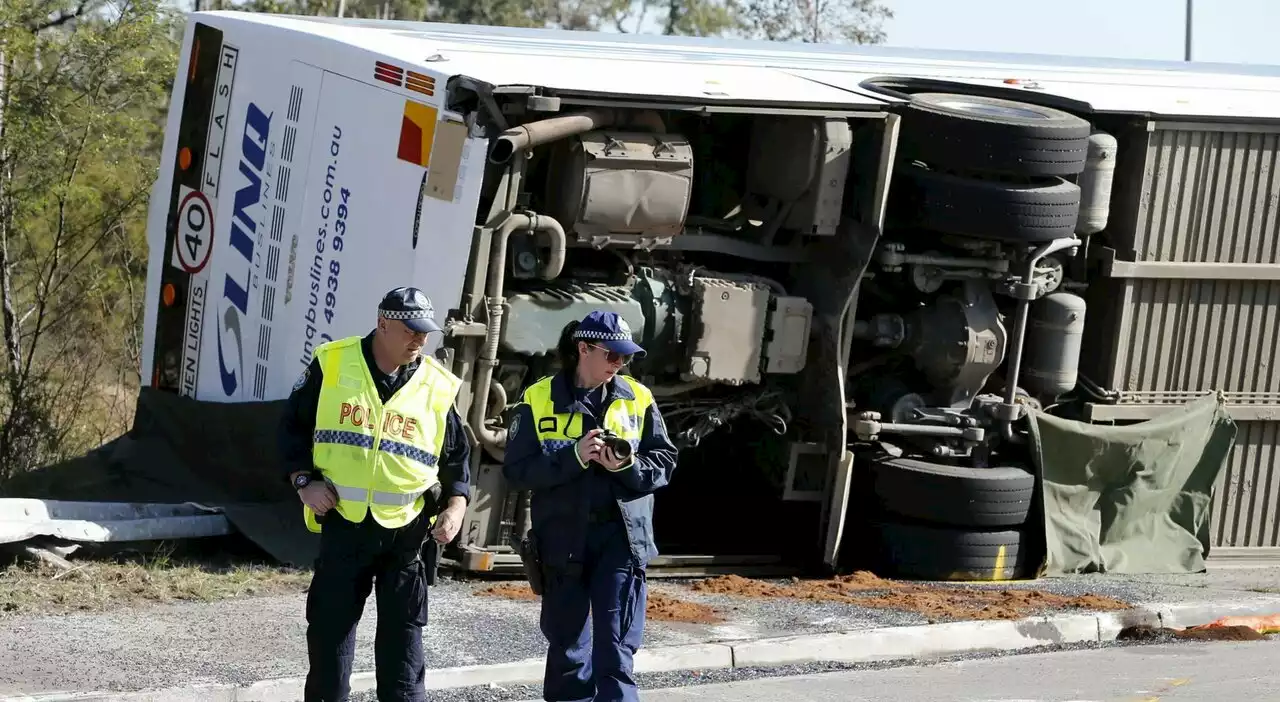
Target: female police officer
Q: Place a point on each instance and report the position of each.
(592, 505)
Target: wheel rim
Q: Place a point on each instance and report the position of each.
(982, 108)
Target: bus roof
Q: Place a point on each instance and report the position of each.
(745, 71)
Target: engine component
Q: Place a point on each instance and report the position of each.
(1054, 335)
(974, 134)
(534, 319)
(957, 342)
(704, 329)
(621, 186)
(789, 326)
(692, 420)
(729, 323)
(986, 209)
(803, 162)
(1095, 183)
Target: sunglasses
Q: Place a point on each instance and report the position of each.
(613, 356)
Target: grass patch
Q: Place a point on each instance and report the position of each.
(102, 582)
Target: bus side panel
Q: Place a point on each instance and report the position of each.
(388, 204)
(300, 196)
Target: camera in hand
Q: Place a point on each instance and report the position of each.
(620, 446)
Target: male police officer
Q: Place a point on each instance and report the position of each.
(373, 444)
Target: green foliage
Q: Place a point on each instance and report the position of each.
(83, 91)
(850, 21)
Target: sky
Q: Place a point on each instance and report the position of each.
(1223, 31)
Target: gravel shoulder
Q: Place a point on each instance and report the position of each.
(249, 638)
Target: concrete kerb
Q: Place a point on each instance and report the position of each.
(890, 643)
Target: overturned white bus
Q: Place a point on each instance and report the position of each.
(858, 272)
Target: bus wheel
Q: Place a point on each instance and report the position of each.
(958, 496)
(937, 553)
(982, 135)
(986, 209)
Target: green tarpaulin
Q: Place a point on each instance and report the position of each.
(1131, 499)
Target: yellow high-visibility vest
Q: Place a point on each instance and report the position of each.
(625, 417)
(379, 459)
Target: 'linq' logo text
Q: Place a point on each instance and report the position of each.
(234, 305)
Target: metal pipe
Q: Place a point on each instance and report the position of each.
(495, 439)
(527, 136)
(1020, 324)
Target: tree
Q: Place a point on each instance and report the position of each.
(828, 21)
(83, 88)
(852, 21)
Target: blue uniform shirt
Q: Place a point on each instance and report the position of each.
(600, 491)
(564, 493)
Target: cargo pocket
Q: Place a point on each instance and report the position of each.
(632, 617)
(416, 601)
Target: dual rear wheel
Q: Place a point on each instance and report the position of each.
(989, 168)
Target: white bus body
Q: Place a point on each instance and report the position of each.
(311, 164)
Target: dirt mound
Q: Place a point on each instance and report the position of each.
(935, 602)
(661, 606)
(665, 608)
(509, 591)
(1225, 633)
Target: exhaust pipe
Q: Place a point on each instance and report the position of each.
(527, 136)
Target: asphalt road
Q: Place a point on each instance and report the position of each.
(1210, 672)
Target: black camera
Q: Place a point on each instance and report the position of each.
(621, 447)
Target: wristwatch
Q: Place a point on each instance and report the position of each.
(303, 480)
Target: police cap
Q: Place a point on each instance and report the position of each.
(410, 306)
(610, 330)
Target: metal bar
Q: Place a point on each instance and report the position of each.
(870, 112)
(26, 509)
(1249, 127)
(1181, 270)
(1242, 557)
(1240, 413)
(679, 566)
(122, 530)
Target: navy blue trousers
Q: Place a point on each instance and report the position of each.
(354, 558)
(594, 663)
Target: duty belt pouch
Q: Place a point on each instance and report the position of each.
(431, 551)
(532, 562)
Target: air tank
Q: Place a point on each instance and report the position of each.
(1095, 183)
(1055, 330)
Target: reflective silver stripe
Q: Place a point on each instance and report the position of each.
(351, 493)
(393, 499)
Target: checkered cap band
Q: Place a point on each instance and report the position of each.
(404, 314)
(601, 335)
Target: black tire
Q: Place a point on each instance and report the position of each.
(933, 553)
(953, 495)
(987, 209)
(990, 135)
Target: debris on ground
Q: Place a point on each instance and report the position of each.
(934, 601)
(1268, 624)
(661, 606)
(108, 581)
(1149, 634)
